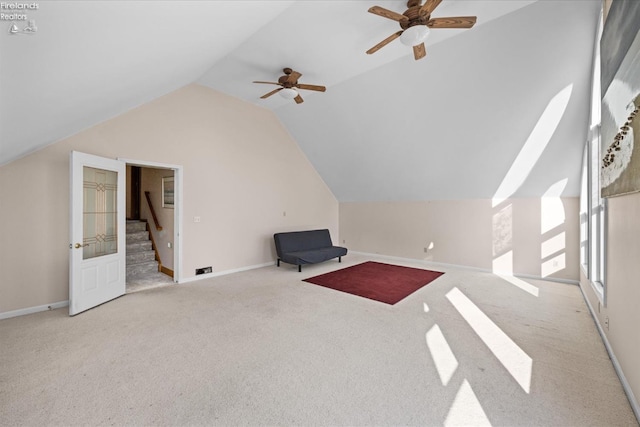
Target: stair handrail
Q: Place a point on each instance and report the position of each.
(154, 247)
(153, 212)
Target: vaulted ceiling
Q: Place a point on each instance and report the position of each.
(497, 110)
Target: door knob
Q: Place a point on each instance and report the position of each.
(79, 245)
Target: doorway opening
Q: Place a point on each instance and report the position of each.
(153, 202)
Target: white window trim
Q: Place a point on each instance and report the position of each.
(596, 227)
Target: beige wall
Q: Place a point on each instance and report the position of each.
(622, 287)
(242, 171)
(152, 182)
(537, 237)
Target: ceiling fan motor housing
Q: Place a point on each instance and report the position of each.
(285, 80)
(414, 17)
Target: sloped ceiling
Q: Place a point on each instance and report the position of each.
(452, 125)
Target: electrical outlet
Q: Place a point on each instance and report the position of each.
(196, 219)
(606, 322)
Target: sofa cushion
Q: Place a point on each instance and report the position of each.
(313, 256)
(300, 241)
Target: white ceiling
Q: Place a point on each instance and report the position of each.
(388, 127)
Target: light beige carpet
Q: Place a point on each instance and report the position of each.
(147, 281)
(263, 347)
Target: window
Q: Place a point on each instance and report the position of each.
(584, 213)
(592, 206)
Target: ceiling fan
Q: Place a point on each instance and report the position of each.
(289, 83)
(416, 22)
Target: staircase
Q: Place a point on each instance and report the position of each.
(141, 257)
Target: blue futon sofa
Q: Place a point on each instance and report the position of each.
(306, 247)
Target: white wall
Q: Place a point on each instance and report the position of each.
(536, 237)
(242, 171)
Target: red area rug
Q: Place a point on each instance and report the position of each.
(377, 281)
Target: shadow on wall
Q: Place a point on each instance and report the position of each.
(505, 234)
(538, 237)
(552, 215)
(551, 238)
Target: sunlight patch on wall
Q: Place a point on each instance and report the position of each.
(552, 212)
(553, 265)
(552, 216)
(553, 245)
(503, 264)
(510, 355)
(503, 240)
(503, 230)
(429, 251)
(519, 283)
(443, 357)
(534, 146)
(466, 409)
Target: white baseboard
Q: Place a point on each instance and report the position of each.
(616, 365)
(225, 272)
(53, 306)
(464, 267)
(31, 310)
(432, 264)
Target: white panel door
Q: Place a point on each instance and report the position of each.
(98, 241)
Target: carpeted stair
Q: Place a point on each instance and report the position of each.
(141, 257)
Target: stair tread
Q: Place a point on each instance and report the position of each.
(140, 253)
(137, 234)
(140, 261)
(137, 250)
(144, 262)
(141, 268)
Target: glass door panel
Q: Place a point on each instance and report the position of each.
(100, 229)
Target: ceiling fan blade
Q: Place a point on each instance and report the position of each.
(269, 83)
(293, 77)
(298, 99)
(452, 22)
(384, 42)
(428, 7)
(419, 51)
(266, 95)
(311, 87)
(386, 13)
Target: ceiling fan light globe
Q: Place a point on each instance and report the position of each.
(288, 93)
(415, 35)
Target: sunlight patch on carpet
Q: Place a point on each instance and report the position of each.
(466, 409)
(512, 357)
(443, 357)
